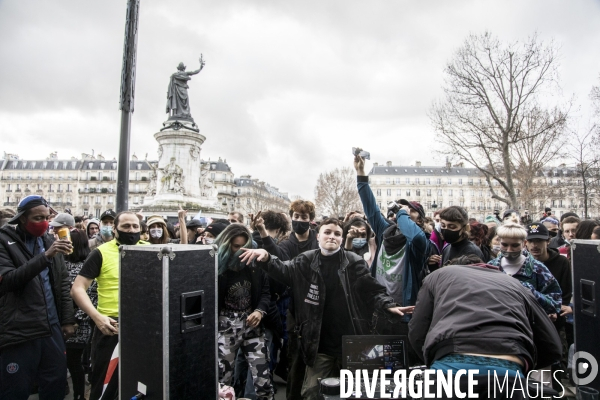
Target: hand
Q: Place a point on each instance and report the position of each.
(359, 165)
(260, 255)
(62, 246)
(405, 208)
(552, 317)
(107, 325)
(68, 330)
(353, 233)
(181, 214)
(564, 310)
(140, 214)
(401, 310)
(254, 319)
(434, 259)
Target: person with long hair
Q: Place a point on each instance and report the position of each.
(243, 301)
(478, 234)
(83, 335)
(163, 233)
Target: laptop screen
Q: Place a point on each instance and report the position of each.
(373, 352)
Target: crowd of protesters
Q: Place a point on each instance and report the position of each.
(290, 286)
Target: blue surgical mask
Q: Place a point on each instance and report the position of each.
(359, 243)
(106, 230)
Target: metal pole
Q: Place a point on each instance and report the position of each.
(126, 103)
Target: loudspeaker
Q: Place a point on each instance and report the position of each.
(585, 255)
(168, 322)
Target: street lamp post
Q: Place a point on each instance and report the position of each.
(126, 103)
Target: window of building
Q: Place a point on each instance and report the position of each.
(429, 192)
(460, 181)
(408, 192)
(397, 181)
(449, 181)
(389, 192)
(418, 192)
(438, 181)
(387, 180)
(428, 181)
(378, 192)
(407, 181)
(450, 192)
(399, 192)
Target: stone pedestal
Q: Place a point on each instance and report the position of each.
(176, 179)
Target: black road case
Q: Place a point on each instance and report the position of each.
(586, 297)
(168, 322)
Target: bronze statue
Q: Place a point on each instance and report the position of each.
(177, 94)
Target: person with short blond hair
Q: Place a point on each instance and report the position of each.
(517, 262)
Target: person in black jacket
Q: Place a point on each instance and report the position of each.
(454, 222)
(300, 240)
(35, 307)
(475, 315)
(334, 294)
(243, 301)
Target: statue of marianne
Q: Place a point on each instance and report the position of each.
(177, 94)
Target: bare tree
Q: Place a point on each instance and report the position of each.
(584, 151)
(533, 153)
(336, 194)
(492, 103)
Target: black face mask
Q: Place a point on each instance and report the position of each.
(451, 236)
(128, 238)
(300, 227)
(552, 233)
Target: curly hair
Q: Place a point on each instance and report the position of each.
(303, 207)
(276, 221)
(479, 233)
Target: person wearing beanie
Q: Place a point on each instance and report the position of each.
(36, 309)
(157, 228)
(213, 231)
(93, 228)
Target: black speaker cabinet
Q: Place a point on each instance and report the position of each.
(168, 322)
(586, 298)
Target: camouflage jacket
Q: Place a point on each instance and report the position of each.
(535, 276)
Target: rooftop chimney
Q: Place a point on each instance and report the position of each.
(418, 163)
(388, 164)
(375, 164)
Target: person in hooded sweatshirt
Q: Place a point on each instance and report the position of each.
(403, 251)
(300, 240)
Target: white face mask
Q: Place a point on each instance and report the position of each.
(156, 233)
(209, 240)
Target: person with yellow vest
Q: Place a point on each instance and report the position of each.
(103, 265)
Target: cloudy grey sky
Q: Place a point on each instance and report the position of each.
(288, 88)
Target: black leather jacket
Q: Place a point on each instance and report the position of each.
(363, 293)
(22, 302)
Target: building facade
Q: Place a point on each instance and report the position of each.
(87, 185)
(436, 187)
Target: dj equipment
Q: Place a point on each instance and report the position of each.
(585, 255)
(168, 322)
(371, 352)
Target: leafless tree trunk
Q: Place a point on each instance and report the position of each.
(584, 151)
(491, 99)
(336, 194)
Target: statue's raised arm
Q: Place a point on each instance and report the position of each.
(199, 69)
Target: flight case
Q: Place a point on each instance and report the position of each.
(167, 322)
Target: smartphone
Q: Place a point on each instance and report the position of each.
(357, 151)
